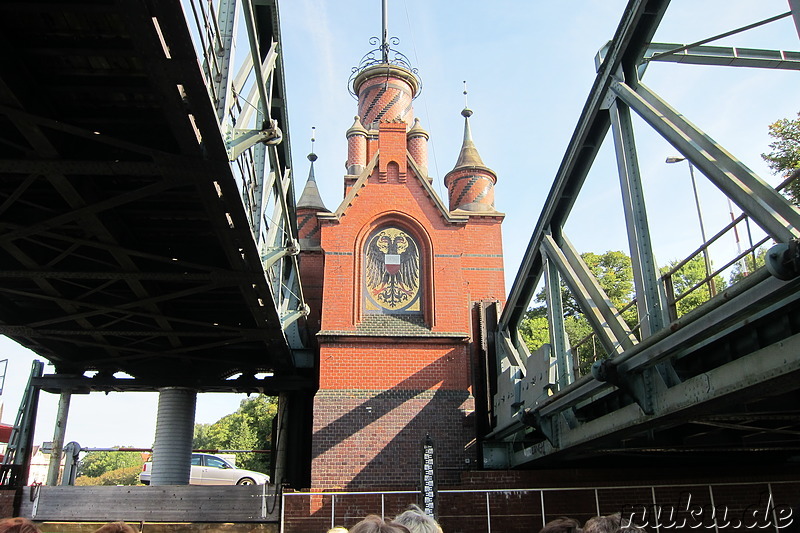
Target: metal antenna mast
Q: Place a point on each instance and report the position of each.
(385, 34)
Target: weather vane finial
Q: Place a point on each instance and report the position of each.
(312, 156)
(465, 94)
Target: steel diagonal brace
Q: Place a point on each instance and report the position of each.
(795, 6)
(508, 354)
(761, 202)
(239, 141)
(292, 306)
(255, 53)
(272, 255)
(604, 318)
(267, 69)
(281, 185)
(288, 318)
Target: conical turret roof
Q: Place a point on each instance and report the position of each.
(470, 184)
(469, 156)
(311, 199)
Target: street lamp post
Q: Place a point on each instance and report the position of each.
(712, 288)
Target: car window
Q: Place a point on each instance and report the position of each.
(215, 462)
(197, 460)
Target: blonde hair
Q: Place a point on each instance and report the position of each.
(375, 524)
(116, 527)
(18, 525)
(417, 521)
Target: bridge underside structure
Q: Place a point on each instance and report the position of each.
(147, 219)
(715, 385)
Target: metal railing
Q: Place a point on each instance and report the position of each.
(654, 507)
(672, 298)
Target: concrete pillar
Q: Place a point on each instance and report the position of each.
(794, 5)
(172, 450)
(60, 430)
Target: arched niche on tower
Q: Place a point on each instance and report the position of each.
(394, 269)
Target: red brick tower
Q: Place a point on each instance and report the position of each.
(397, 274)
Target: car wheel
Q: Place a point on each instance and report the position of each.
(246, 481)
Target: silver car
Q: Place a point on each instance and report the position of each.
(210, 469)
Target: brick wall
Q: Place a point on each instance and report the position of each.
(372, 439)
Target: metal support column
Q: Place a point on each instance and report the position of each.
(280, 438)
(794, 5)
(291, 436)
(172, 450)
(58, 437)
(555, 318)
(645, 278)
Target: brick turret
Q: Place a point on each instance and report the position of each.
(470, 185)
(418, 146)
(385, 93)
(312, 258)
(356, 147)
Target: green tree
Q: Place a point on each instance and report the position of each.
(121, 476)
(686, 282)
(785, 154)
(249, 428)
(534, 328)
(748, 264)
(614, 273)
(95, 464)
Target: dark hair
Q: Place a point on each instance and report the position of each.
(562, 525)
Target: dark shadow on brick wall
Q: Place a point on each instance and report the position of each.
(401, 417)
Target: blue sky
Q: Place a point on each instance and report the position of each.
(529, 67)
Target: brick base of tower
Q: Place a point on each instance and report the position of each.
(372, 415)
(386, 451)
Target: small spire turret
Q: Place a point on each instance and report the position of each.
(310, 198)
(470, 184)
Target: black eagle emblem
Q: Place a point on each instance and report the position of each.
(392, 268)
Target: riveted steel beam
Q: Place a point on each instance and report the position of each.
(648, 297)
(764, 368)
(767, 207)
(555, 320)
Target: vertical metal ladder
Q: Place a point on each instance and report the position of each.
(16, 462)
